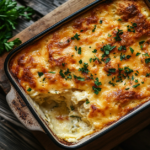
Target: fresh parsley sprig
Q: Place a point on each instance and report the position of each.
(9, 13)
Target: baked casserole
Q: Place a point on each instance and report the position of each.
(90, 72)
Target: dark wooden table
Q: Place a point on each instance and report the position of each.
(10, 127)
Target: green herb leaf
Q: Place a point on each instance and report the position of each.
(67, 72)
(76, 48)
(147, 60)
(127, 88)
(146, 54)
(135, 86)
(80, 61)
(51, 72)
(79, 50)
(132, 50)
(96, 90)
(147, 74)
(29, 89)
(62, 74)
(109, 35)
(113, 70)
(97, 83)
(79, 78)
(76, 36)
(94, 51)
(113, 84)
(141, 42)
(119, 19)
(40, 74)
(101, 21)
(117, 38)
(137, 54)
(87, 101)
(107, 60)
(90, 60)
(94, 28)
(84, 69)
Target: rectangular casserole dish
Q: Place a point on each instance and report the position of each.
(28, 100)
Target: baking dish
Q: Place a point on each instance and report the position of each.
(25, 97)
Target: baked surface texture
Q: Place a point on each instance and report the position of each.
(90, 72)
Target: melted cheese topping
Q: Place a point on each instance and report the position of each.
(90, 72)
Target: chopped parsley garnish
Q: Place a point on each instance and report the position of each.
(131, 28)
(128, 56)
(134, 25)
(136, 81)
(76, 36)
(147, 60)
(122, 48)
(132, 77)
(141, 42)
(69, 77)
(142, 82)
(94, 28)
(119, 19)
(107, 48)
(117, 38)
(101, 21)
(67, 72)
(51, 72)
(147, 74)
(113, 70)
(109, 74)
(72, 55)
(87, 101)
(122, 56)
(132, 50)
(127, 70)
(44, 79)
(90, 60)
(76, 48)
(85, 68)
(127, 88)
(81, 30)
(113, 84)
(96, 58)
(91, 77)
(63, 64)
(40, 74)
(96, 90)
(80, 61)
(29, 89)
(135, 86)
(61, 74)
(109, 35)
(137, 54)
(94, 51)
(79, 78)
(79, 50)
(97, 83)
(107, 60)
(72, 107)
(146, 54)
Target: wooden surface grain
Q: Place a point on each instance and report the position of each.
(41, 8)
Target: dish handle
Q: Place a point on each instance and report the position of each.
(21, 111)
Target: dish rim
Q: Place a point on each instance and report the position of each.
(13, 82)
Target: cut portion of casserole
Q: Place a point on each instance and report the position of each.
(92, 71)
